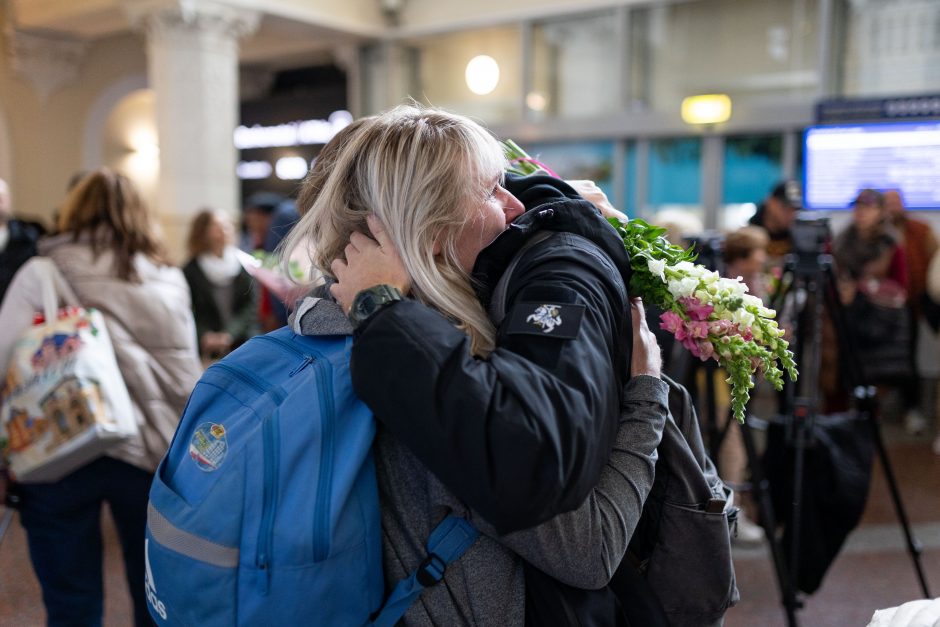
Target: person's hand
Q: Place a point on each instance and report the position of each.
(647, 357)
(223, 341)
(593, 194)
(847, 289)
(369, 262)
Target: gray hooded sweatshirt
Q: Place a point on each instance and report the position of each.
(486, 586)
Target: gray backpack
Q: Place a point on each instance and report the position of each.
(682, 543)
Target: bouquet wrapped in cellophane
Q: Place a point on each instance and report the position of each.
(711, 316)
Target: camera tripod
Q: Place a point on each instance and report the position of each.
(813, 276)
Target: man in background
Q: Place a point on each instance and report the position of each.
(17, 239)
(776, 216)
(920, 244)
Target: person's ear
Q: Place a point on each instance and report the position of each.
(437, 248)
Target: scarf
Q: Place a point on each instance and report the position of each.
(220, 271)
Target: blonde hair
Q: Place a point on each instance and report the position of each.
(419, 170)
(106, 206)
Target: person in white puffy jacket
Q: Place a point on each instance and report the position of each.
(111, 259)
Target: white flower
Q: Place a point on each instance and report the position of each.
(742, 317)
(710, 277)
(750, 300)
(657, 267)
(732, 287)
(689, 268)
(683, 287)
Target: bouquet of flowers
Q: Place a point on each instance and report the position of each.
(711, 316)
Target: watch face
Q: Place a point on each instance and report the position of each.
(369, 301)
(367, 304)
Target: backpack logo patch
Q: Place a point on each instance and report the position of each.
(545, 320)
(208, 446)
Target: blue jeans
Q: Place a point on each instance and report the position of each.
(63, 528)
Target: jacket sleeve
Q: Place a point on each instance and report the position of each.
(524, 434)
(583, 548)
(244, 322)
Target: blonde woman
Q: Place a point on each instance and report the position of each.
(515, 427)
(111, 258)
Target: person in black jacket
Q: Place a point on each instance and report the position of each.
(222, 292)
(17, 240)
(516, 421)
(537, 403)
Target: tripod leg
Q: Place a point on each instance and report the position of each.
(768, 521)
(913, 546)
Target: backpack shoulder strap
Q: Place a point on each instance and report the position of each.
(498, 300)
(449, 540)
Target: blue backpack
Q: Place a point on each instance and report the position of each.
(265, 508)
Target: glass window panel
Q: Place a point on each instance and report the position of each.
(674, 184)
(759, 51)
(440, 67)
(892, 48)
(752, 165)
(629, 179)
(591, 161)
(574, 72)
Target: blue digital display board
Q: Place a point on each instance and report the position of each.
(841, 159)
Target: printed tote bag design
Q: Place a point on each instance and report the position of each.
(64, 400)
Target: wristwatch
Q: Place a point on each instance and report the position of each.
(370, 300)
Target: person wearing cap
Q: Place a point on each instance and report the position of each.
(872, 281)
(776, 216)
(870, 248)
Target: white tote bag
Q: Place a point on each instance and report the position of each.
(64, 400)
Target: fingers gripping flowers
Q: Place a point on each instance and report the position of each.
(711, 316)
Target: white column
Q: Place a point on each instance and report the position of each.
(192, 54)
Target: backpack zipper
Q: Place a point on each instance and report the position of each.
(271, 454)
(308, 358)
(268, 503)
(321, 522)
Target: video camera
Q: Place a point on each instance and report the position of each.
(708, 247)
(810, 236)
(811, 241)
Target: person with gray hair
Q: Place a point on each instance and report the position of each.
(17, 240)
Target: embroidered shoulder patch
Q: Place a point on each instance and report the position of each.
(546, 319)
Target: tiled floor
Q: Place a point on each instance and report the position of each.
(873, 570)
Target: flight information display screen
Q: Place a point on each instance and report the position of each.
(840, 160)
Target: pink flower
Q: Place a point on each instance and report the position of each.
(705, 350)
(747, 334)
(697, 329)
(670, 321)
(720, 327)
(695, 308)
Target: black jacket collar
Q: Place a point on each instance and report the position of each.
(552, 205)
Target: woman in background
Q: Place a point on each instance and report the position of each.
(108, 253)
(223, 297)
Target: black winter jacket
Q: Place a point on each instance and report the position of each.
(21, 246)
(522, 435)
(243, 319)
